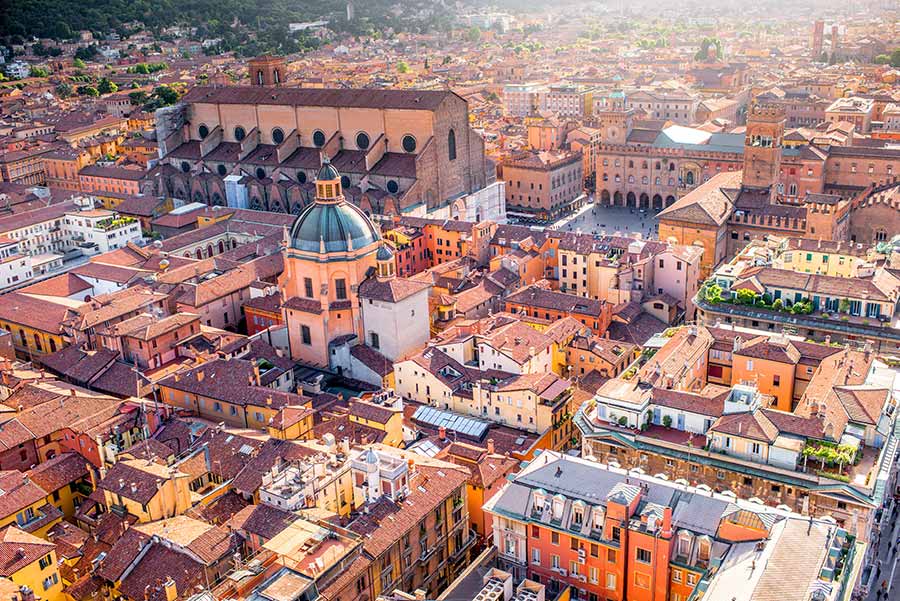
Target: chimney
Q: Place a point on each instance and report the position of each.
(442, 433)
(177, 377)
(269, 400)
(490, 446)
(256, 375)
(200, 375)
(420, 594)
(133, 488)
(171, 589)
(667, 522)
(410, 464)
(121, 483)
(71, 392)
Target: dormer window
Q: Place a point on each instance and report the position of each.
(578, 513)
(558, 504)
(539, 502)
(597, 519)
(684, 543)
(704, 549)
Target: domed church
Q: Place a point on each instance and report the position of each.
(332, 248)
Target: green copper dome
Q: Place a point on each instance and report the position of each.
(333, 224)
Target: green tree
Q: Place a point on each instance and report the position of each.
(895, 58)
(64, 90)
(713, 293)
(107, 87)
(745, 297)
(79, 64)
(139, 97)
(88, 91)
(402, 67)
(474, 34)
(38, 72)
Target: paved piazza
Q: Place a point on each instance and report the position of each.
(594, 219)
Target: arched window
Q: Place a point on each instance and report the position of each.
(222, 170)
(689, 178)
(260, 173)
(221, 246)
(393, 186)
(277, 76)
(239, 133)
(301, 177)
(409, 143)
(319, 138)
(185, 166)
(278, 134)
(203, 130)
(451, 145)
(362, 140)
(259, 77)
(345, 181)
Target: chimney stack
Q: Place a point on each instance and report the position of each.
(490, 446)
(442, 433)
(200, 375)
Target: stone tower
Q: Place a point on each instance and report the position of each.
(762, 146)
(267, 70)
(615, 120)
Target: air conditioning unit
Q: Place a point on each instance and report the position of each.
(581, 559)
(581, 553)
(563, 572)
(582, 577)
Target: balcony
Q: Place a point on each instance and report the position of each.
(466, 544)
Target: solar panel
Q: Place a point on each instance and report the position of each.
(451, 421)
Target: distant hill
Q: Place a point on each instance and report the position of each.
(62, 19)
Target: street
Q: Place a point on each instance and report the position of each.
(886, 571)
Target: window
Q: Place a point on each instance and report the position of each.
(239, 133)
(535, 556)
(306, 335)
(749, 364)
(554, 538)
(318, 138)
(374, 338)
(610, 581)
(776, 380)
(535, 532)
(278, 135)
(45, 562)
(362, 140)
(643, 555)
(611, 556)
(408, 143)
(203, 130)
(554, 561)
(691, 579)
(340, 288)
(451, 145)
(676, 575)
(308, 286)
